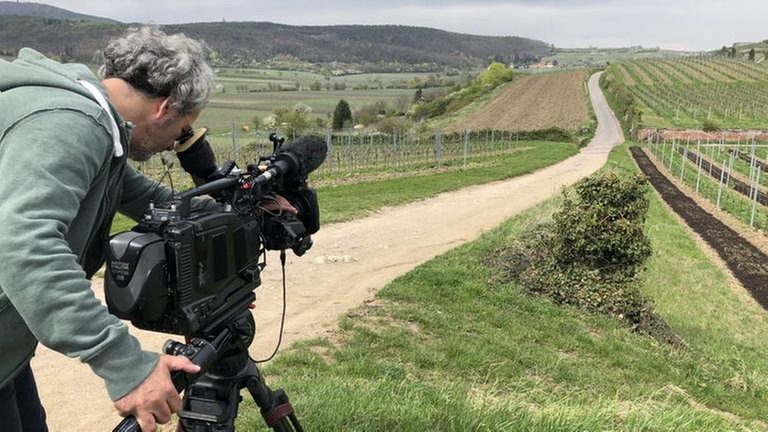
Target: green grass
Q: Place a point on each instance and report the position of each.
(340, 203)
(452, 347)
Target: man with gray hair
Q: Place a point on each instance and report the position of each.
(64, 138)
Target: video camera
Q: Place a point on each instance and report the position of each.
(189, 272)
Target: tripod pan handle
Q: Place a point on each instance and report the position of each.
(129, 424)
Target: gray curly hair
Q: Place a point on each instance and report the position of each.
(161, 65)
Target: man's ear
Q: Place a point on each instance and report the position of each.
(162, 107)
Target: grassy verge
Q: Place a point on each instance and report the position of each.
(349, 201)
(450, 347)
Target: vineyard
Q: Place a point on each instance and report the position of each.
(696, 92)
(352, 153)
(731, 176)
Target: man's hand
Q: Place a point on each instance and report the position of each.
(155, 399)
(280, 204)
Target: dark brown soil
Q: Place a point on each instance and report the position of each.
(747, 263)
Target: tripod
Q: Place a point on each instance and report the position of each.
(211, 401)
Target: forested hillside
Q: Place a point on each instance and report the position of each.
(353, 47)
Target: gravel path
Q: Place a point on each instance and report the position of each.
(379, 248)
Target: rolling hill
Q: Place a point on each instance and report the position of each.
(47, 11)
(76, 37)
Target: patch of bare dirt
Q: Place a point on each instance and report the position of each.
(533, 102)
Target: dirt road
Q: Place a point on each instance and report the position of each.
(321, 286)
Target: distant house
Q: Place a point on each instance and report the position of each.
(544, 65)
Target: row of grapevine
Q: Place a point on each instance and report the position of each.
(731, 177)
(698, 92)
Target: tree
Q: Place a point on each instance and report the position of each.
(752, 54)
(291, 121)
(342, 115)
(496, 74)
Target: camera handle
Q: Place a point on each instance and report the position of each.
(275, 407)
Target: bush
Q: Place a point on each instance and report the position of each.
(602, 228)
(496, 74)
(710, 126)
(590, 255)
(393, 125)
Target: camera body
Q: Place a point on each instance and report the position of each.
(188, 273)
(173, 274)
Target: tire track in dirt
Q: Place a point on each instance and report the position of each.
(747, 263)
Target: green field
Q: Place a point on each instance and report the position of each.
(259, 79)
(712, 92)
(450, 346)
(239, 109)
(242, 94)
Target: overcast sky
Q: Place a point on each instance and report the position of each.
(673, 24)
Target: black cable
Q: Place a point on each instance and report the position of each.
(282, 319)
(167, 166)
(159, 182)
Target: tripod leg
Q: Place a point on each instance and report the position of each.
(275, 407)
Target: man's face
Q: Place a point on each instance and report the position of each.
(159, 134)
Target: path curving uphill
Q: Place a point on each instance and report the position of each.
(382, 246)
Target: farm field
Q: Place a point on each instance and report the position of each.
(728, 177)
(429, 344)
(745, 260)
(260, 79)
(699, 93)
(599, 57)
(239, 109)
(534, 102)
(242, 94)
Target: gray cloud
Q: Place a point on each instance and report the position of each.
(684, 24)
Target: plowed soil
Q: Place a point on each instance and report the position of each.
(534, 102)
(747, 263)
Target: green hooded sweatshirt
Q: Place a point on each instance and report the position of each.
(61, 182)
